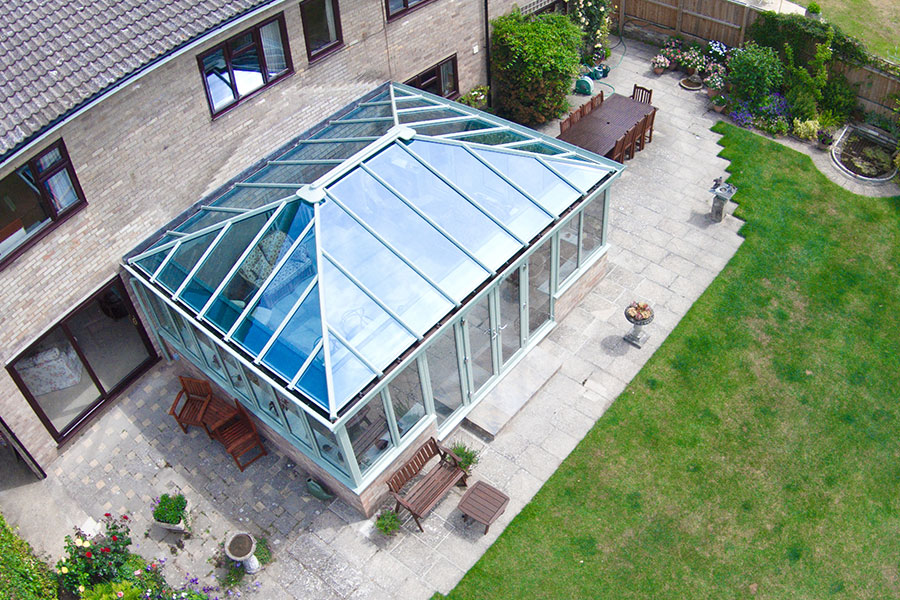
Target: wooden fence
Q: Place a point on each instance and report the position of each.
(727, 21)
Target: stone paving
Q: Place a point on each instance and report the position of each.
(663, 250)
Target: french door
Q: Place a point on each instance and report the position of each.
(84, 360)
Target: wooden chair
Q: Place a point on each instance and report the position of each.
(585, 109)
(631, 140)
(565, 124)
(648, 132)
(641, 94)
(239, 436)
(642, 132)
(197, 394)
(597, 100)
(618, 151)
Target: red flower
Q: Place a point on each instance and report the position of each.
(107, 515)
(104, 550)
(124, 517)
(115, 539)
(88, 554)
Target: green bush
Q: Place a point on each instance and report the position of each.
(839, 97)
(775, 30)
(23, 576)
(170, 509)
(813, 9)
(754, 71)
(534, 61)
(592, 16)
(805, 85)
(111, 591)
(806, 130)
(468, 457)
(94, 560)
(388, 522)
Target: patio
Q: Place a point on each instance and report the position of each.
(664, 250)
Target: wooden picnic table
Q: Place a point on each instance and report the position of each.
(598, 130)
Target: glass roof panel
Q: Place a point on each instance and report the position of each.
(313, 381)
(455, 127)
(356, 317)
(413, 102)
(151, 263)
(391, 280)
(363, 112)
(315, 151)
(350, 130)
(297, 340)
(484, 186)
(203, 219)
(348, 373)
(540, 148)
(428, 115)
(250, 198)
(541, 183)
(184, 259)
(216, 266)
(279, 297)
(298, 174)
(584, 177)
(494, 138)
(434, 254)
(258, 265)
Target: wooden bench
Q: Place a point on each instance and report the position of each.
(428, 491)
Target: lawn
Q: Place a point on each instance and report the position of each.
(875, 22)
(756, 454)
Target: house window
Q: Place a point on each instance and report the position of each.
(395, 8)
(321, 27)
(34, 198)
(245, 64)
(440, 79)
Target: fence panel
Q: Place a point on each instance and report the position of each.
(713, 20)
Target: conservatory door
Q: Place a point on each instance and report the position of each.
(481, 340)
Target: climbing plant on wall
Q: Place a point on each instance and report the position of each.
(593, 16)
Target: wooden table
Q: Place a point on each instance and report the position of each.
(599, 129)
(483, 503)
(217, 414)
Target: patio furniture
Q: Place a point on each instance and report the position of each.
(597, 100)
(197, 395)
(641, 94)
(218, 412)
(585, 109)
(631, 140)
(642, 132)
(239, 436)
(483, 503)
(599, 131)
(427, 491)
(618, 151)
(575, 116)
(648, 133)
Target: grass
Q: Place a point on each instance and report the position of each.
(756, 454)
(875, 22)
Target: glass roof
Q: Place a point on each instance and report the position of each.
(329, 262)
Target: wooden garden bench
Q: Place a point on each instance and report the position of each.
(428, 491)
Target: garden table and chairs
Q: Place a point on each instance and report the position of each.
(616, 128)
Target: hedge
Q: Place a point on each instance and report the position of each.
(23, 576)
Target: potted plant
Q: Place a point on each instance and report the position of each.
(671, 50)
(814, 11)
(638, 314)
(388, 522)
(824, 139)
(170, 512)
(476, 97)
(718, 103)
(691, 60)
(659, 63)
(715, 83)
(468, 457)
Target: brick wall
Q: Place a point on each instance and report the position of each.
(151, 150)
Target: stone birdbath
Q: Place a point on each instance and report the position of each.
(638, 314)
(240, 547)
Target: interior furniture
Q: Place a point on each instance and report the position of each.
(239, 436)
(599, 131)
(50, 369)
(427, 491)
(641, 94)
(195, 396)
(483, 503)
(263, 258)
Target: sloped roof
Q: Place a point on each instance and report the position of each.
(56, 55)
(327, 264)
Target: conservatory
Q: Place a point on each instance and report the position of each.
(366, 285)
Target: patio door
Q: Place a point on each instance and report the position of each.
(83, 361)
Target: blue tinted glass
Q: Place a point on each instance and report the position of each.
(389, 278)
(494, 138)
(405, 230)
(427, 115)
(297, 340)
(348, 373)
(150, 264)
(366, 326)
(313, 382)
(214, 269)
(184, 259)
(485, 187)
(540, 148)
(318, 151)
(454, 127)
(475, 231)
(250, 198)
(584, 177)
(541, 183)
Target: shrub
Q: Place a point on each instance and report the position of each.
(825, 137)
(476, 97)
(534, 60)
(813, 9)
(468, 457)
(169, 509)
(112, 591)
(801, 34)
(388, 522)
(839, 97)
(23, 576)
(805, 85)
(592, 16)
(719, 100)
(755, 71)
(806, 130)
(95, 560)
(741, 115)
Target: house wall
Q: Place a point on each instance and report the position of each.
(151, 150)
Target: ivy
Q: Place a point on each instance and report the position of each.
(534, 61)
(802, 35)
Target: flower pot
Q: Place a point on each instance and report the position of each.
(823, 146)
(672, 65)
(711, 93)
(658, 70)
(718, 108)
(689, 71)
(179, 527)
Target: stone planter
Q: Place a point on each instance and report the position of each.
(718, 108)
(240, 548)
(179, 527)
(711, 93)
(637, 337)
(689, 71)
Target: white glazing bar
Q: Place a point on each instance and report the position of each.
(201, 260)
(224, 209)
(308, 161)
(340, 140)
(416, 109)
(306, 363)
(371, 295)
(390, 247)
(326, 344)
(477, 131)
(514, 151)
(509, 181)
(284, 321)
(354, 351)
(561, 176)
(426, 218)
(393, 105)
(517, 144)
(360, 120)
(459, 191)
(442, 121)
(274, 186)
(177, 234)
(165, 261)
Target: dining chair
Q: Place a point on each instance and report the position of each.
(642, 132)
(618, 151)
(585, 109)
(630, 140)
(597, 100)
(648, 132)
(641, 94)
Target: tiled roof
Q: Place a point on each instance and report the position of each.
(55, 55)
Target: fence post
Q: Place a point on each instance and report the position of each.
(743, 25)
(621, 18)
(678, 18)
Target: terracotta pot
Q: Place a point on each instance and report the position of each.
(658, 70)
(711, 93)
(690, 71)
(718, 108)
